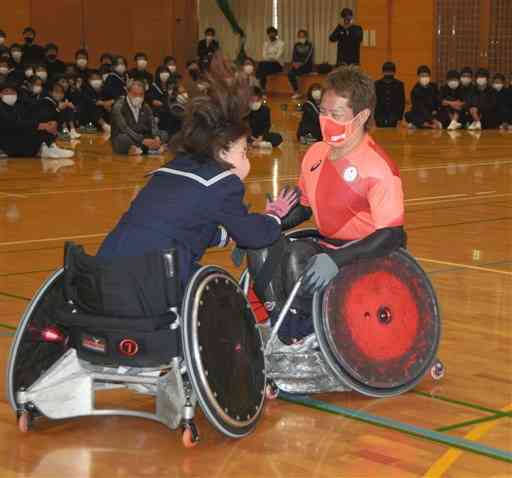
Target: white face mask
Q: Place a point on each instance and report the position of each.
(82, 62)
(9, 99)
(37, 89)
(453, 84)
(137, 101)
(96, 84)
(424, 80)
(29, 73)
(172, 68)
(498, 86)
(302, 40)
(16, 55)
(248, 69)
(164, 77)
(466, 80)
(4, 70)
(120, 69)
(316, 94)
(256, 105)
(142, 63)
(481, 81)
(43, 75)
(209, 38)
(182, 98)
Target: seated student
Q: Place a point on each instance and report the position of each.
(249, 70)
(4, 68)
(157, 97)
(140, 71)
(302, 61)
(21, 134)
(54, 66)
(482, 105)
(503, 102)
(309, 127)
(32, 53)
(425, 102)
(206, 48)
(81, 62)
(451, 113)
(197, 200)
(70, 104)
(106, 59)
(467, 89)
(390, 92)
(94, 112)
(115, 84)
(41, 72)
(273, 49)
(260, 123)
(36, 93)
(17, 74)
(170, 63)
(3, 44)
(177, 101)
(134, 130)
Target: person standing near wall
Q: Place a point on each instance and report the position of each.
(349, 36)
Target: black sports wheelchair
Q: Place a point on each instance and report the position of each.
(377, 330)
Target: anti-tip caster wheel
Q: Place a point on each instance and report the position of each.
(271, 390)
(24, 421)
(437, 370)
(190, 436)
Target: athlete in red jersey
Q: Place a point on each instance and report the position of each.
(353, 190)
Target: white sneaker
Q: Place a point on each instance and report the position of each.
(411, 126)
(53, 165)
(74, 134)
(475, 125)
(55, 152)
(454, 125)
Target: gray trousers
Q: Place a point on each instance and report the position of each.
(122, 142)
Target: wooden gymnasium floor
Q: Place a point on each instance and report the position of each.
(458, 195)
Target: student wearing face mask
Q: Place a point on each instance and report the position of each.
(196, 200)
(81, 62)
(482, 105)
(425, 102)
(94, 111)
(22, 134)
(260, 122)
(18, 69)
(134, 129)
(53, 64)
(157, 97)
(115, 84)
(349, 37)
(35, 93)
(390, 93)
(3, 43)
(451, 112)
(273, 49)
(4, 69)
(170, 63)
(248, 69)
(503, 102)
(206, 48)
(32, 53)
(302, 61)
(309, 131)
(177, 101)
(41, 72)
(140, 72)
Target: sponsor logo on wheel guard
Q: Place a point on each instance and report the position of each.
(94, 343)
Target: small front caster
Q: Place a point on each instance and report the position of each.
(271, 390)
(190, 436)
(437, 370)
(24, 421)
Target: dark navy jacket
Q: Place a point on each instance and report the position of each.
(189, 206)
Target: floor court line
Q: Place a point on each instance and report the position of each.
(464, 266)
(476, 421)
(13, 296)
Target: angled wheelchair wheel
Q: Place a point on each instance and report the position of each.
(223, 352)
(38, 343)
(378, 325)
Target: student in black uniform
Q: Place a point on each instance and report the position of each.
(177, 101)
(467, 89)
(302, 61)
(206, 48)
(140, 72)
(260, 122)
(425, 102)
(17, 74)
(452, 104)
(170, 63)
(503, 101)
(197, 200)
(22, 135)
(4, 69)
(81, 62)
(106, 59)
(53, 64)
(3, 43)
(390, 93)
(482, 105)
(309, 130)
(157, 97)
(36, 92)
(94, 111)
(42, 72)
(349, 38)
(32, 53)
(115, 84)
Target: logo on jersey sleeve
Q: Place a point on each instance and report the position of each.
(350, 174)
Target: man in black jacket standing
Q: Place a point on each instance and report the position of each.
(349, 37)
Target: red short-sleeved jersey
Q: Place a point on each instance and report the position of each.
(354, 196)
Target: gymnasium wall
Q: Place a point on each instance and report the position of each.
(157, 27)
